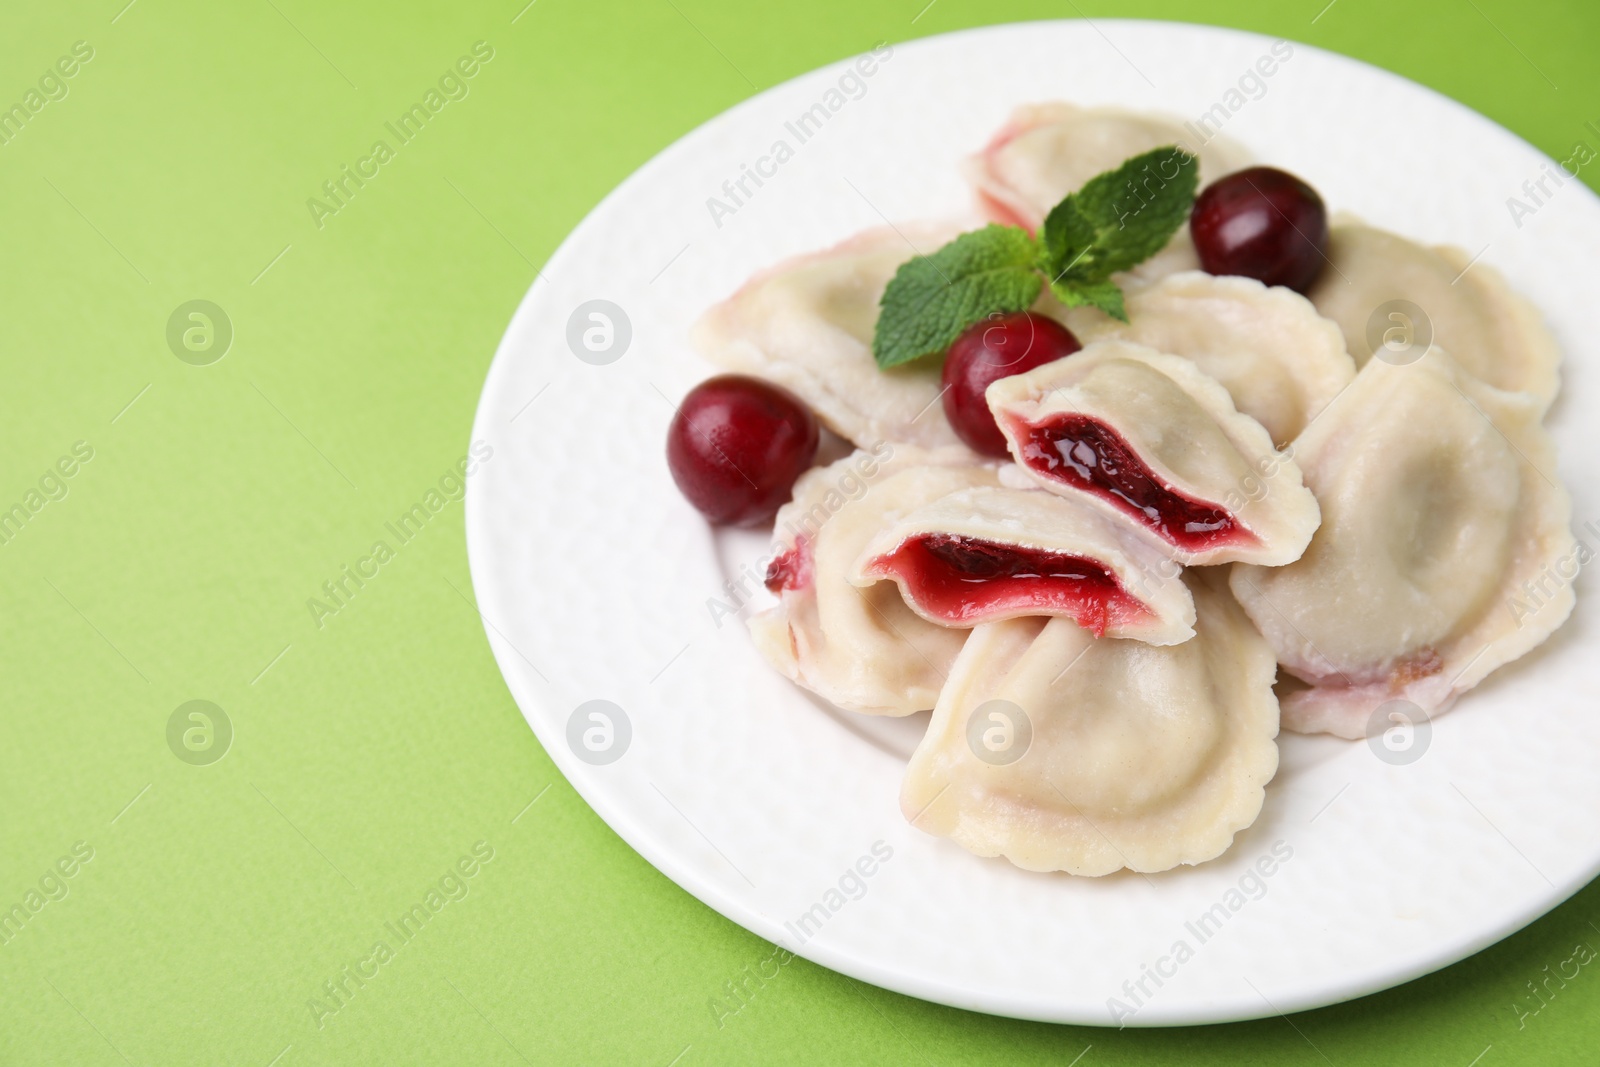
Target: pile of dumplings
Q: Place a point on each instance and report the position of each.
(1391, 504)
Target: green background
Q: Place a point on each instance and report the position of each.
(373, 752)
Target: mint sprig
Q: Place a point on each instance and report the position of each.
(1116, 221)
(931, 299)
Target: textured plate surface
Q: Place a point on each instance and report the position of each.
(597, 582)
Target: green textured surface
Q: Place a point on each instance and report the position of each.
(372, 752)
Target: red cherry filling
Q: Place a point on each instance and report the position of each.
(988, 351)
(736, 447)
(1261, 223)
(965, 580)
(789, 570)
(1083, 452)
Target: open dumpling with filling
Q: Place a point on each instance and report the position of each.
(1046, 151)
(862, 649)
(807, 324)
(1150, 439)
(994, 552)
(1061, 752)
(1466, 308)
(1440, 501)
(1278, 358)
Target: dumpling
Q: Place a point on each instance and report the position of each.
(1146, 436)
(990, 553)
(1279, 360)
(1439, 503)
(1492, 332)
(862, 649)
(807, 324)
(1064, 753)
(1046, 151)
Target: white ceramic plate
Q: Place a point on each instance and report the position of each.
(596, 579)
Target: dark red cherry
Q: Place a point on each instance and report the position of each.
(1262, 223)
(736, 447)
(988, 351)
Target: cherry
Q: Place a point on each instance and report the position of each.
(996, 348)
(1262, 223)
(736, 446)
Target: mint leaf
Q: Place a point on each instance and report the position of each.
(1137, 207)
(1069, 246)
(932, 299)
(1106, 296)
(1116, 221)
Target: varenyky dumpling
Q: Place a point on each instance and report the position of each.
(1147, 437)
(1493, 333)
(993, 552)
(1279, 360)
(1098, 755)
(1434, 517)
(1046, 151)
(862, 649)
(807, 324)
